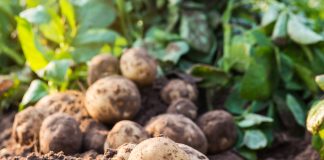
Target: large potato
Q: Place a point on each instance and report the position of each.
(192, 153)
(101, 66)
(178, 128)
(138, 66)
(70, 102)
(219, 128)
(112, 99)
(60, 132)
(158, 148)
(125, 132)
(176, 89)
(26, 125)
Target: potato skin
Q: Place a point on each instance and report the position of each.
(176, 89)
(94, 135)
(26, 125)
(112, 99)
(70, 102)
(183, 106)
(60, 132)
(138, 66)
(125, 132)
(123, 151)
(219, 128)
(158, 148)
(178, 128)
(101, 66)
(192, 153)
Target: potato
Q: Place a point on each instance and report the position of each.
(125, 132)
(112, 99)
(158, 148)
(183, 106)
(192, 153)
(123, 151)
(227, 155)
(102, 65)
(60, 132)
(70, 102)
(176, 89)
(178, 128)
(219, 128)
(138, 66)
(26, 125)
(94, 135)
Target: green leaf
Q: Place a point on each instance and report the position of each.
(258, 80)
(234, 103)
(174, 51)
(280, 29)
(54, 29)
(37, 15)
(320, 81)
(96, 36)
(252, 119)
(84, 53)
(56, 71)
(68, 11)
(248, 154)
(211, 76)
(270, 16)
(296, 109)
(34, 57)
(307, 76)
(255, 139)
(35, 92)
(315, 117)
(300, 33)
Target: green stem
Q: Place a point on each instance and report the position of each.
(12, 54)
(227, 29)
(124, 19)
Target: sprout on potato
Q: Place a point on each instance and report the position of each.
(184, 107)
(125, 132)
(158, 148)
(112, 99)
(178, 128)
(26, 125)
(60, 132)
(219, 128)
(70, 102)
(94, 135)
(101, 66)
(176, 89)
(138, 66)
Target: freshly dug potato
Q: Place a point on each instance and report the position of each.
(219, 128)
(125, 132)
(192, 153)
(158, 148)
(183, 106)
(60, 132)
(176, 89)
(26, 125)
(112, 99)
(123, 151)
(178, 128)
(227, 155)
(69, 102)
(138, 66)
(102, 65)
(94, 135)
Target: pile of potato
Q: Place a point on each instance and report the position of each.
(100, 119)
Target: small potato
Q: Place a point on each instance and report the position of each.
(125, 132)
(60, 132)
(158, 148)
(112, 99)
(192, 153)
(138, 66)
(178, 128)
(94, 135)
(176, 89)
(102, 65)
(219, 128)
(70, 102)
(26, 125)
(123, 151)
(227, 155)
(184, 107)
